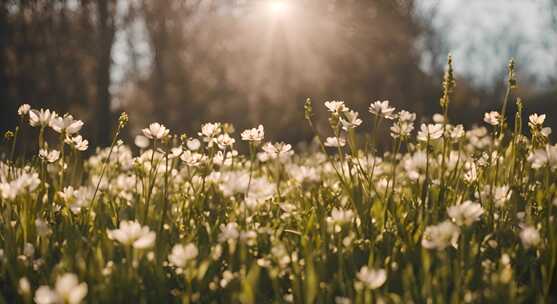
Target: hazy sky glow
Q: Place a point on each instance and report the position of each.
(483, 34)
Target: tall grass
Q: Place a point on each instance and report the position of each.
(448, 215)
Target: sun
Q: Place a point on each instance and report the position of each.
(278, 7)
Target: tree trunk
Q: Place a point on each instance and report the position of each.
(106, 33)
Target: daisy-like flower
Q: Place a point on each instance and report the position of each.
(277, 150)
(466, 213)
(457, 132)
(254, 134)
(224, 141)
(401, 129)
(535, 120)
(530, 236)
(372, 278)
(181, 255)
(350, 120)
(228, 232)
(66, 125)
(335, 142)
(23, 109)
(131, 233)
(155, 131)
(431, 131)
(67, 290)
(382, 109)
(336, 106)
(493, 118)
(441, 236)
(192, 159)
(51, 156)
(406, 116)
(544, 157)
(78, 142)
(210, 130)
(41, 118)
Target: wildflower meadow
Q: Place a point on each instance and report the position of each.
(446, 214)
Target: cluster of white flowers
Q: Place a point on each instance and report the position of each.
(254, 135)
(67, 290)
(493, 118)
(382, 109)
(26, 183)
(466, 213)
(181, 255)
(430, 132)
(131, 233)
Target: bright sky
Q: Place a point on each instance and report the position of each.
(483, 34)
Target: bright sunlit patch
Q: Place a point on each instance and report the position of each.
(278, 7)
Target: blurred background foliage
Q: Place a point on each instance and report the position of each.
(185, 62)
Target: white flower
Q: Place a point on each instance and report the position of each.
(192, 159)
(25, 183)
(544, 157)
(45, 295)
(51, 156)
(193, 144)
(210, 130)
(277, 150)
(535, 120)
(466, 213)
(336, 106)
(382, 109)
(224, 140)
(78, 142)
(24, 287)
(401, 129)
(501, 195)
(440, 236)
(335, 142)
(41, 117)
(23, 109)
(155, 131)
(350, 120)
(228, 232)
(66, 124)
(67, 290)
(431, 131)
(181, 255)
(438, 118)
(131, 233)
(530, 236)
(472, 174)
(457, 132)
(493, 118)
(406, 116)
(340, 216)
(254, 134)
(141, 141)
(372, 278)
